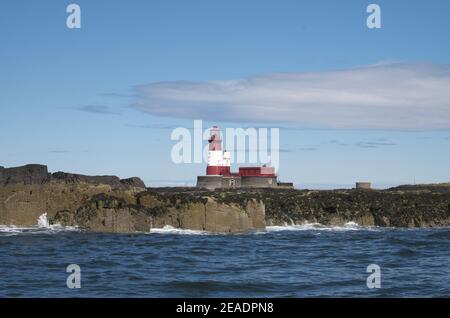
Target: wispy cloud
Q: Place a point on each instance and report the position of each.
(307, 149)
(58, 151)
(98, 109)
(169, 183)
(374, 144)
(337, 143)
(281, 150)
(118, 95)
(151, 126)
(384, 96)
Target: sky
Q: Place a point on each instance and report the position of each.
(352, 103)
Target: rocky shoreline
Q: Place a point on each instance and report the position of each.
(110, 204)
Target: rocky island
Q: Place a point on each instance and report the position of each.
(111, 204)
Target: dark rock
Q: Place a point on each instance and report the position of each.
(330, 209)
(437, 187)
(336, 207)
(113, 181)
(38, 174)
(29, 174)
(120, 210)
(134, 182)
(108, 213)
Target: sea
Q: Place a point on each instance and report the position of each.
(309, 260)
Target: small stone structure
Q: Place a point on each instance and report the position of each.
(363, 186)
(232, 182)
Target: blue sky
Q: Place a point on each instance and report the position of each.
(69, 97)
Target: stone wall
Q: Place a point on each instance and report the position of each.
(363, 185)
(231, 182)
(222, 182)
(209, 182)
(259, 182)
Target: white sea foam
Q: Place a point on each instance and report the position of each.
(10, 230)
(43, 222)
(43, 226)
(14, 229)
(350, 226)
(172, 230)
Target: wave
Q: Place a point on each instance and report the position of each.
(43, 226)
(349, 226)
(11, 230)
(172, 230)
(43, 222)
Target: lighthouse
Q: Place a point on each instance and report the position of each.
(219, 175)
(219, 162)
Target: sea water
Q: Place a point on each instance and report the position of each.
(310, 260)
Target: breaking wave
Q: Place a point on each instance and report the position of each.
(172, 230)
(43, 227)
(43, 221)
(350, 226)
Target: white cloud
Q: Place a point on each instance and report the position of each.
(383, 96)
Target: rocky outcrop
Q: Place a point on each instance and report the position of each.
(108, 204)
(104, 213)
(21, 205)
(38, 174)
(241, 210)
(112, 181)
(393, 207)
(29, 174)
(134, 182)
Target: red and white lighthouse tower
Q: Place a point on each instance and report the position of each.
(219, 162)
(219, 175)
